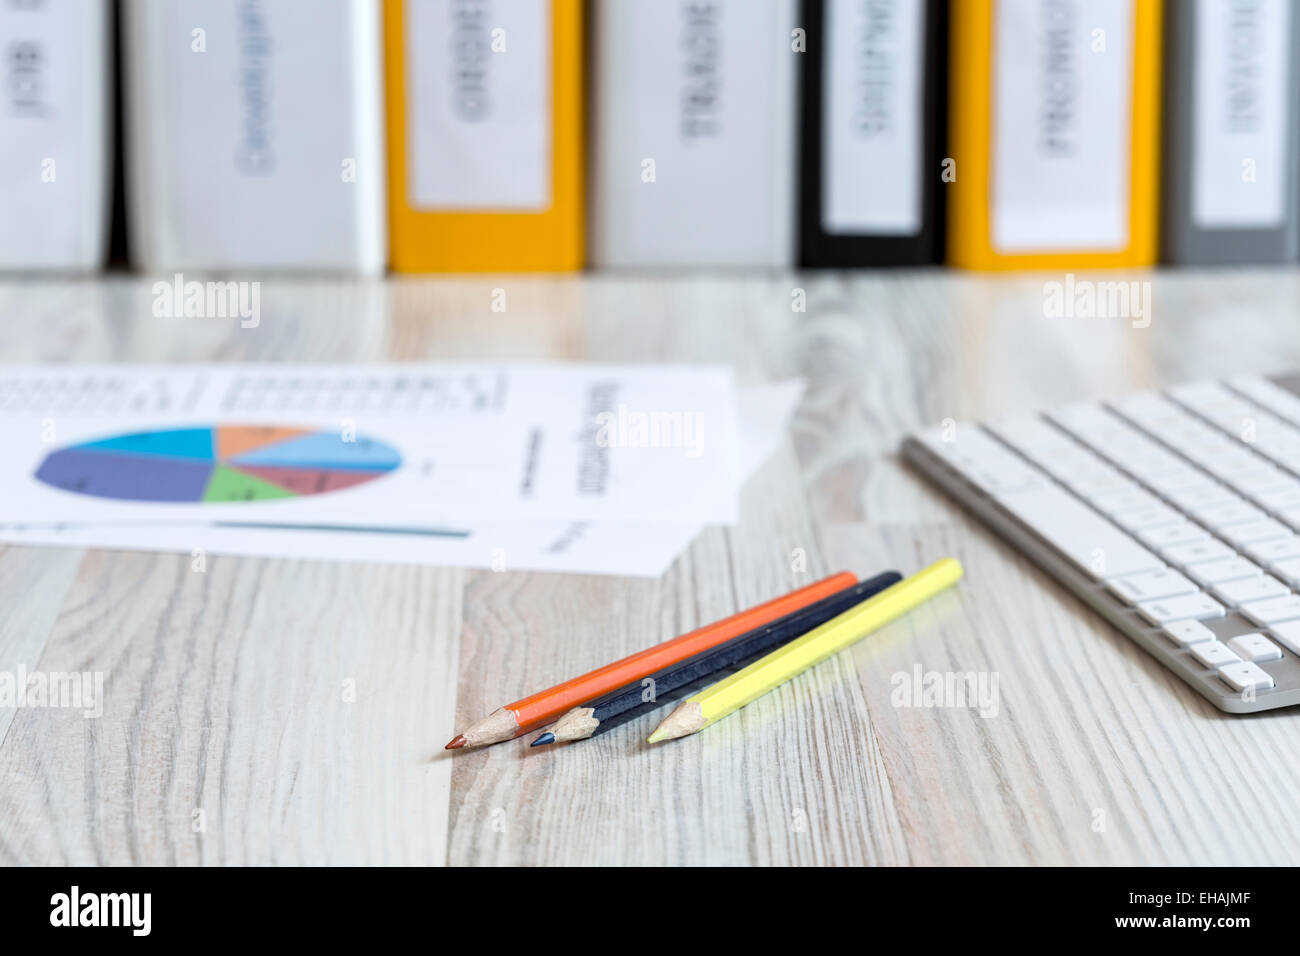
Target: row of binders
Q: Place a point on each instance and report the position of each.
(519, 135)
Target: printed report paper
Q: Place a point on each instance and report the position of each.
(441, 445)
(629, 549)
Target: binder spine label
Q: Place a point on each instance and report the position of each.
(1062, 118)
(1240, 113)
(478, 86)
(45, 172)
(871, 117)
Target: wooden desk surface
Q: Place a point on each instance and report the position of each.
(225, 690)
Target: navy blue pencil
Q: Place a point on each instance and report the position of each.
(588, 720)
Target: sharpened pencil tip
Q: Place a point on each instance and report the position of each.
(546, 738)
(456, 742)
(685, 720)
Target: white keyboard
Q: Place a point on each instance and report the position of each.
(1172, 513)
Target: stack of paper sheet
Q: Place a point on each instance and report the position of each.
(585, 468)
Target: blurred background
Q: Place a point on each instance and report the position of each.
(358, 137)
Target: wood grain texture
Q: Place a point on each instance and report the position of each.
(301, 706)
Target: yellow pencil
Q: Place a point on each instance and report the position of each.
(728, 696)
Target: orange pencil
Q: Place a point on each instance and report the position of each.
(545, 706)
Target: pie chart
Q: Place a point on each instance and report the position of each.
(223, 463)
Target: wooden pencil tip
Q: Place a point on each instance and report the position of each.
(686, 719)
(546, 738)
(578, 724)
(497, 726)
(456, 742)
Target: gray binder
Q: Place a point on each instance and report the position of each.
(1232, 112)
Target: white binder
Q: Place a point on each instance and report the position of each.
(255, 135)
(55, 165)
(693, 133)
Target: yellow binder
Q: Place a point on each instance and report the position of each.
(981, 234)
(446, 214)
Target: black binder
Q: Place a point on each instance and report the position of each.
(822, 244)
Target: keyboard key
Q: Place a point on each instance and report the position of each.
(1289, 634)
(1198, 442)
(1196, 552)
(1094, 545)
(1229, 569)
(1199, 395)
(1031, 436)
(997, 477)
(1150, 585)
(1174, 478)
(1259, 588)
(1083, 416)
(1191, 435)
(1185, 633)
(1199, 607)
(1214, 654)
(1181, 532)
(1113, 502)
(1130, 451)
(1068, 464)
(1201, 496)
(1283, 498)
(1145, 407)
(1230, 467)
(1289, 458)
(1149, 408)
(1219, 516)
(1148, 517)
(1245, 676)
(1273, 611)
(1241, 535)
(1275, 549)
(1097, 482)
(1264, 480)
(1150, 461)
(1291, 517)
(1288, 571)
(1268, 394)
(1255, 647)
